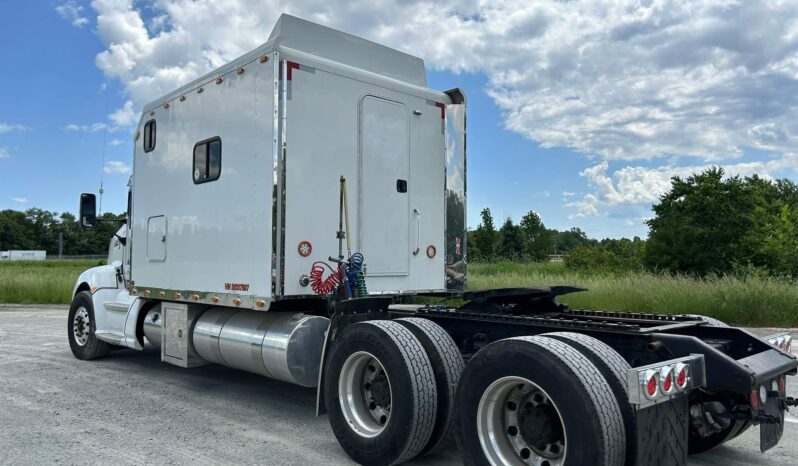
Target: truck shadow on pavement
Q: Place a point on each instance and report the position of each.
(240, 397)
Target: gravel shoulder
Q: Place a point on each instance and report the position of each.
(131, 409)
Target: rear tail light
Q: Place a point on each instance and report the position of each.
(666, 380)
(651, 385)
(781, 340)
(783, 385)
(658, 382)
(681, 375)
(754, 399)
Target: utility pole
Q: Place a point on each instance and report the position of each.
(61, 244)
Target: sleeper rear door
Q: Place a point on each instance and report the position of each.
(384, 166)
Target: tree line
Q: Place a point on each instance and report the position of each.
(707, 223)
(38, 229)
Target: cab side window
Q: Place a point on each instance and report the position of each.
(149, 136)
(207, 160)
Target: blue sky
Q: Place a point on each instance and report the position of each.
(584, 125)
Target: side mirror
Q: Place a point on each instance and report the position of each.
(88, 210)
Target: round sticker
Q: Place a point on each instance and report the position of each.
(431, 251)
(196, 174)
(304, 248)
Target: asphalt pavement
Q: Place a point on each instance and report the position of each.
(130, 408)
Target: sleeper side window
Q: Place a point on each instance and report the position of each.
(149, 136)
(207, 160)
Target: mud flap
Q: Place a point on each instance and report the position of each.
(770, 432)
(662, 432)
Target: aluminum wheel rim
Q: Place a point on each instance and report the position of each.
(81, 326)
(504, 405)
(361, 392)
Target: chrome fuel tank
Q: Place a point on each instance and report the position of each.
(281, 345)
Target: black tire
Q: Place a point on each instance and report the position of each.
(614, 368)
(90, 347)
(447, 365)
(592, 421)
(413, 398)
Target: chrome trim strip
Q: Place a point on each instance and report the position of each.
(276, 160)
(281, 180)
(203, 297)
(455, 226)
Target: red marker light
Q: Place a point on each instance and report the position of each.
(681, 376)
(649, 383)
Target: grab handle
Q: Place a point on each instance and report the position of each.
(418, 231)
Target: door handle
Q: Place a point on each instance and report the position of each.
(418, 231)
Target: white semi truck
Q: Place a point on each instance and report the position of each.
(286, 210)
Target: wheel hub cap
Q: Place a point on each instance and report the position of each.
(364, 392)
(81, 326)
(518, 424)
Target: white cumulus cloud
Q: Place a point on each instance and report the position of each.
(92, 128)
(620, 80)
(13, 127)
(116, 166)
(4, 154)
(73, 13)
(20, 200)
(635, 185)
(124, 116)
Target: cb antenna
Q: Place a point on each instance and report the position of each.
(105, 134)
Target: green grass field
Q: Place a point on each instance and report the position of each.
(40, 282)
(754, 301)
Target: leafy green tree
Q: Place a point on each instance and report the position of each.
(564, 241)
(485, 236)
(609, 255)
(709, 223)
(538, 241)
(39, 229)
(511, 244)
(15, 231)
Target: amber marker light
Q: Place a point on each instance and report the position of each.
(195, 297)
(260, 303)
(146, 292)
(236, 301)
(219, 80)
(166, 105)
(182, 98)
(214, 299)
(178, 295)
(199, 91)
(152, 112)
(135, 291)
(264, 59)
(162, 294)
(240, 71)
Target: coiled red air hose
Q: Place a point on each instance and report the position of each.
(321, 285)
